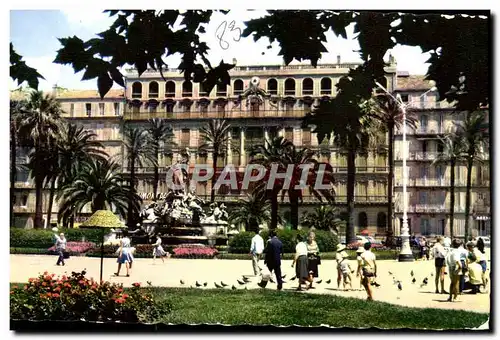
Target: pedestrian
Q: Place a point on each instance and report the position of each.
(482, 259)
(130, 251)
(313, 257)
(480, 244)
(423, 248)
(439, 254)
(447, 243)
(359, 251)
(338, 259)
(123, 258)
(60, 248)
(158, 250)
(367, 269)
(300, 262)
(256, 249)
(346, 269)
(474, 268)
(463, 260)
(273, 250)
(454, 269)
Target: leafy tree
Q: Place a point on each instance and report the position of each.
(215, 139)
(39, 126)
(324, 217)
(453, 148)
(138, 153)
(252, 211)
(475, 133)
(21, 72)
(160, 134)
(99, 184)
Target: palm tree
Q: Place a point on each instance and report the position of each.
(99, 184)
(138, 153)
(252, 211)
(389, 113)
(159, 131)
(453, 148)
(39, 125)
(324, 217)
(475, 133)
(215, 138)
(17, 107)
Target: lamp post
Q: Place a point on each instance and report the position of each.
(406, 254)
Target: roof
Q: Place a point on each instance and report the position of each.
(88, 94)
(413, 83)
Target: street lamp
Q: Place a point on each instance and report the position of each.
(406, 254)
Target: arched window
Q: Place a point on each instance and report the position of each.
(238, 87)
(221, 90)
(326, 86)
(136, 90)
(307, 86)
(153, 89)
(362, 220)
(381, 222)
(203, 91)
(187, 89)
(170, 89)
(272, 86)
(289, 87)
(423, 124)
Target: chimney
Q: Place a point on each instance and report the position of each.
(338, 59)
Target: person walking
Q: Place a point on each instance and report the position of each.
(127, 243)
(60, 248)
(313, 258)
(338, 259)
(367, 268)
(439, 254)
(256, 249)
(123, 258)
(158, 250)
(346, 270)
(481, 254)
(300, 262)
(454, 269)
(274, 249)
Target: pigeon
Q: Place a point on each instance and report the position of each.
(149, 283)
(432, 274)
(271, 279)
(205, 284)
(246, 288)
(216, 285)
(223, 284)
(414, 280)
(283, 276)
(233, 287)
(182, 282)
(375, 284)
(241, 282)
(411, 273)
(400, 287)
(328, 282)
(293, 278)
(426, 281)
(198, 284)
(390, 273)
(246, 279)
(318, 282)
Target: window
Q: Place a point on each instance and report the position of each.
(101, 109)
(24, 200)
(326, 86)
(88, 108)
(186, 106)
(221, 90)
(423, 197)
(185, 137)
(424, 171)
(424, 146)
(272, 87)
(440, 147)
(362, 161)
(290, 87)
(170, 107)
(136, 90)
(423, 123)
(381, 222)
(307, 87)
(404, 98)
(306, 137)
(170, 89)
(289, 134)
(153, 89)
(363, 220)
(187, 89)
(117, 108)
(203, 91)
(425, 228)
(238, 87)
(72, 110)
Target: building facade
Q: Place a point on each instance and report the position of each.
(289, 92)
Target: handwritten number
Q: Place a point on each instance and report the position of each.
(221, 31)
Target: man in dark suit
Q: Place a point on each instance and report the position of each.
(274, 249)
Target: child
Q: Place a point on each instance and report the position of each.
(158, 250)
(346, 270)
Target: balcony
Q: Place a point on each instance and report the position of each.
(481, 208)
(362, 169)
(440, 182)
(145, 114)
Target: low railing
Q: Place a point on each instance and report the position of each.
(145, 114)
(440, 182)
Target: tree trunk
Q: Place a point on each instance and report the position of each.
(51, 199)
(130, 212)
(13, 172)
(38, 201)
(468, 197)
(294, 210)
(274, 210)
(214, 177)
(452, 197)
(390, 180)
(156, 176)
(351, 178)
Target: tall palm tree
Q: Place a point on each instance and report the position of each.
(453, 148)
(324, 217)
(99, 184)
(138, 153)
(252, 211)
(39, 124)
(215, 139)
(17, 107)
(389, 113)
(475, 133)
(159, 131)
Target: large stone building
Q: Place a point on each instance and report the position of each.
(289, 92)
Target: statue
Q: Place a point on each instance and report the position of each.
(218, 215)
(254, 94)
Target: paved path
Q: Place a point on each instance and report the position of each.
(170, 273)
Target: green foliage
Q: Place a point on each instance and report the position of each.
(43, 238)
(240, 243)
(252, 211)
(325, 217)
(21, 72)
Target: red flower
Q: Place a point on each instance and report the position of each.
(26, 287)
(49, 294)
(55, 295)
(136, 284)
(12, 292)
(44, 284)
(15, 287)
(124, 296)
(31, 279)
(57, 289)
(45, 273)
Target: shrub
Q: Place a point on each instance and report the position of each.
(75, 248)
(240, 243)
(44, 238)
(29, 251)
(357, 244)
(78, 298)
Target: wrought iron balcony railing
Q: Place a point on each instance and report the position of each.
(146, 114)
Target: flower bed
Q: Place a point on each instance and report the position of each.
(77, 298)
(357, 244)
(75, 248)
(194, 251)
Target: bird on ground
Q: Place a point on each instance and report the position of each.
(182, 282)
(216, 285)
(390, 272)
(149, 283)
(432, 274)
(246, 288)
(241, 282)
(414, 280)
(375, 284)
(271, 279)
(205, 284)
(246, 279)
(426, 280)
(283, 276)
(411, 273)
(328, 281)
(223, 284)
(198, 284)
(400, 286)
(293, 278)
(318, 282)
(233, 287)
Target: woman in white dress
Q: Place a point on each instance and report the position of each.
(158, 250)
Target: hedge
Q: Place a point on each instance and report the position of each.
(44, 238)
(240, 243)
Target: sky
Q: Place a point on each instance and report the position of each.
(39, 47)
